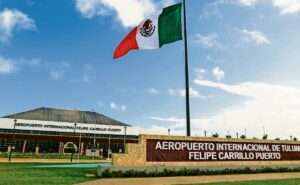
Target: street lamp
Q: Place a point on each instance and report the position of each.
(13, 140)
(73, 143)
(204, 133)
(124, 138)
(169, 130)
(237, 135)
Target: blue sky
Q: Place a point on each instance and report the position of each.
(244, 64)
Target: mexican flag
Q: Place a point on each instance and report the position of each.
(162, 28)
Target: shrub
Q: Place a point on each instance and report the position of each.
(169, 172)
(106, 173)
(194, 172)
(277, 139)
(228, 136)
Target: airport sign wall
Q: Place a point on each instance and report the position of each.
(184, 151)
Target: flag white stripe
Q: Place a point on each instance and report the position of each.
(150, 42)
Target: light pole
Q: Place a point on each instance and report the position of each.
(204, 133)
(169, 130)
(79, 145)
(108, 150)
(13, 140)
(124, 138)
(94, 137)
(73, 143)
(237, 135)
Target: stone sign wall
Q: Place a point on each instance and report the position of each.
(180, 150)
(187, 151)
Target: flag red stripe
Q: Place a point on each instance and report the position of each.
(127, 44)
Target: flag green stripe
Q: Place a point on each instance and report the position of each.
(169, 25)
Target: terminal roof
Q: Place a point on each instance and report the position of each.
(65, 115)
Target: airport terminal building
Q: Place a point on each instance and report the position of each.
(48, 130)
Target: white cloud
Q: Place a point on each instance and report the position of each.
(287, 6)
(255, 36)
(171, 92)
(166, 3)
(211, 10)
(247, 2)
(209, 41)
(177, 123)
(100, 104)
(115, 106)
(6, 66)
(211, 59)
(153, 91)
(199, 73)
(56, 74)
(58, 70)
(181, 92)
(129, 12)
(208, 57)
(86, 76)
(275, 107)
(13, 20)
(218, 73)
(123, 107)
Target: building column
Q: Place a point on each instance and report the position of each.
(24, 146)
(8, 148)
(61, 147)
(37, 148)
(81, 148)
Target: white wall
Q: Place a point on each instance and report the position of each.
(8, 123)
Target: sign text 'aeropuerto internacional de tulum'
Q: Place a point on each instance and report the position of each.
(176, 150)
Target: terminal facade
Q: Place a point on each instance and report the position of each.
(48, 130)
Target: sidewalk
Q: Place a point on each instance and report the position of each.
(193, 179)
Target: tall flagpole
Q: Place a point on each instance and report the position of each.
(187, 89)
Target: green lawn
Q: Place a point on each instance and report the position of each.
(263, 182)
(24, 173)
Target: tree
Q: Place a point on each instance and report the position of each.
(265, 136)
(216, 135)
(243, 136)
(295, 139)
(277, 139)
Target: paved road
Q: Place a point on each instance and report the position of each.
(193, 179)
